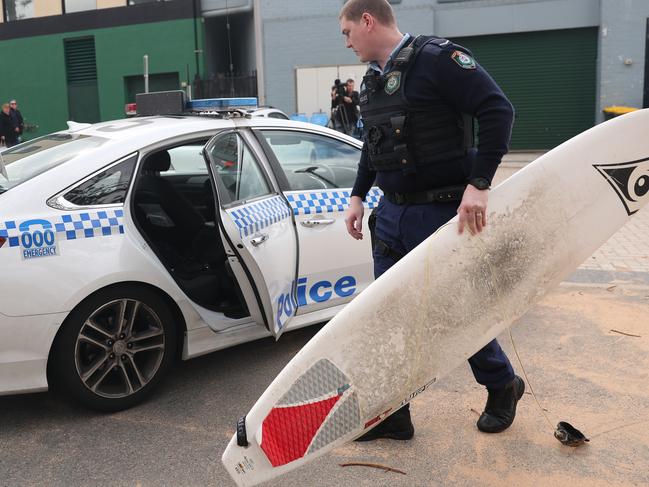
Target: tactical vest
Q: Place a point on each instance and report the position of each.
(402, 136)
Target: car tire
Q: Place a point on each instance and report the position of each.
(115, 347)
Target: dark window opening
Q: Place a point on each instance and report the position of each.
(106, 188)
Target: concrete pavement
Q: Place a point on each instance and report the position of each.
(580, 370)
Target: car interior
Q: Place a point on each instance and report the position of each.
(313, 162)
(175, 208)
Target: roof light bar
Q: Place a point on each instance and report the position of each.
(174, 103)
(216, 104)
(160, 103)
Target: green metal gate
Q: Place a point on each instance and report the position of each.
(549, 76)
(81, 69)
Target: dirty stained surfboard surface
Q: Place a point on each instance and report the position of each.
(446, 299)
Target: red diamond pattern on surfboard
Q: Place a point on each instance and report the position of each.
(288, 431)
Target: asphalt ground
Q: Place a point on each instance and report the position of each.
(584, 349)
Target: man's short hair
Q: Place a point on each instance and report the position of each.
(381, 10)
(350, 80)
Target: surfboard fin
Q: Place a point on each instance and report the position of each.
(242, 436)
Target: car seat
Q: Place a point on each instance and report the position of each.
(153, 189)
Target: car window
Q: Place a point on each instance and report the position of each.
(106, 188)
(188, 159)
(29, 159)
(313, 161)
(239, 174)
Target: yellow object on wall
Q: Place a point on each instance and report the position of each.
(110, 3)
(618, 110)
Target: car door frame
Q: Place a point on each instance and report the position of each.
(241, 268)
(284, 185)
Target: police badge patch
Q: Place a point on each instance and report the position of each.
(463, 60)
(392, 82)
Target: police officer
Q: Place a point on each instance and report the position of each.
(418, 100)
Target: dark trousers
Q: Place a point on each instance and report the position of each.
(403, 227)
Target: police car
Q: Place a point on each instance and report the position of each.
(125, 245)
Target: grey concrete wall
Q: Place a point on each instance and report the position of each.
(298, 33)
(622, 53)
(304, 33)
(483, 17)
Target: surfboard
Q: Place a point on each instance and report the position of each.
(445, 300)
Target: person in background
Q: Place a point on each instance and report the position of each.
(16, 119)
(345, 107)
(7, 130)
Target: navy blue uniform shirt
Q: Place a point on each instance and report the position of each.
(470, 91)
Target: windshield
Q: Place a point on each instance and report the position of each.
(29, 159)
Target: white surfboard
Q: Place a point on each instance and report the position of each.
(446, 299)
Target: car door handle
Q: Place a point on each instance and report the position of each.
(317, 222)
(257, 241)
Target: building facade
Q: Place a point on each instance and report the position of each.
(561, 62)
(83, 60)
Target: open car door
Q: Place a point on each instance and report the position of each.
(258, 222)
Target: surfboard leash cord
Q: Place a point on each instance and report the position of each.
(478, 240)
(564, 431)
(511, 337)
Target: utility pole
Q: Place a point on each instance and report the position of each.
(146, 73)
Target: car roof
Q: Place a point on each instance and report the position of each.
(129, 135)
(148, 130)
(158, 127)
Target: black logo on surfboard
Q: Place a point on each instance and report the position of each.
(630, 180)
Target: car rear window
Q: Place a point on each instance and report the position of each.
(29, 159)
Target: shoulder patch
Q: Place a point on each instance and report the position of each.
(463, 60)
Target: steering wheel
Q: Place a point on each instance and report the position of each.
(331, 179)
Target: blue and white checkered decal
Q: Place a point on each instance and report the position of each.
(310, 202)
(261, 214)
(70, 226)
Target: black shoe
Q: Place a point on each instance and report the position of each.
(500, 410)
(395, 427)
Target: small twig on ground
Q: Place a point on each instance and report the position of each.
(626, 334)
(475, 411)
(373, 465)
(610, 289)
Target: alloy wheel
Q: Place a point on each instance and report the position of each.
(119, 348)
